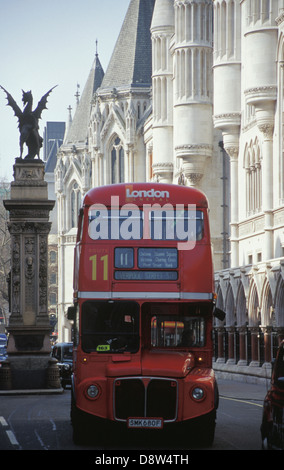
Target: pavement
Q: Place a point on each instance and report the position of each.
(48, 391)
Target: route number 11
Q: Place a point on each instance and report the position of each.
(104, 261)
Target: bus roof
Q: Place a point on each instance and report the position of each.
(143, 193)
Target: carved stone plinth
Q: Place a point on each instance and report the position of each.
(29, 327)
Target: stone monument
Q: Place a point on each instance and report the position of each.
(29, 328)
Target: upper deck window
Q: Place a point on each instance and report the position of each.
(135, 224)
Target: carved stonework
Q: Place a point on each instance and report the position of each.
(43, 274)
(227, 120)
(29, 228)
(267, 130)
(188, 150)
(27, 174)
(232, 151)
(260, 93)
(163, 171)
(16, 278)
(29, 180)
(194, 178)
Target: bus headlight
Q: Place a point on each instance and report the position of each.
(198, 393)
(93, 391)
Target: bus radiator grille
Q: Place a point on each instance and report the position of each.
(145, 397)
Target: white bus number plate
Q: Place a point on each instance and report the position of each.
(149, 423)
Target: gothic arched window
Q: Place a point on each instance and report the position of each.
(117, 162)
(75, 204)
(253, 179)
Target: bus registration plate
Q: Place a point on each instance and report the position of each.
(148, 423)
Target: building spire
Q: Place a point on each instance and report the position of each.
(68, 123)
(78, 131)
(77, 94)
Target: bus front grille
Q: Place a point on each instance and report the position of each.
(145, 397)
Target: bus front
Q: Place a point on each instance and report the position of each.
(143, 305)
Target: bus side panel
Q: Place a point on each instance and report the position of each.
(191, 408)
(196, 270)
(96, 272)
(95, 268)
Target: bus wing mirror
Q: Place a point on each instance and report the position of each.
(218, 313)
(71, 313)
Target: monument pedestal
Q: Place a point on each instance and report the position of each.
(29, 328)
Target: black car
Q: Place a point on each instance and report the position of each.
(3, 348)
(272, 427)
(63, 352)
(3, 356)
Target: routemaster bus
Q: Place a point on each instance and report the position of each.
(143, 308)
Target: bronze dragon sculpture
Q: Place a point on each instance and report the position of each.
(28, 121)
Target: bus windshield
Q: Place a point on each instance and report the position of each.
(177, 332)
(110, 327)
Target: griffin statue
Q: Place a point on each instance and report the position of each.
(28, 121)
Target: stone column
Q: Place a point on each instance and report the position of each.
(267, 345)
(221, 357)
(162, 30)
(267, 186)
(233, 152)
(231, 341)
(29, 327)
(254, 346)
(263, 99)
(193, 102)
(242, 335)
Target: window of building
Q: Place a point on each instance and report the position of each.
(117, 162)
(253, 179)
(52, 299)
(75, 204)
(52, 257)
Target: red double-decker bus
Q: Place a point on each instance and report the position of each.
(143, 308)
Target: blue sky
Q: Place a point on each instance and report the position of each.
(46, 43)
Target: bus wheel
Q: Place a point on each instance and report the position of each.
(205, 429)
(81, 424)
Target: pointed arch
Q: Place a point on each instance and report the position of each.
(266, 304)
(253, 305)
(252, 166)
(241, 308)
(230, 307)
(75, 203)
(117, 163)
(279, 302)
(219, 304)
(220, 301)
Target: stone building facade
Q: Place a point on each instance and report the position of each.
(248, 109)
(193, 95)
